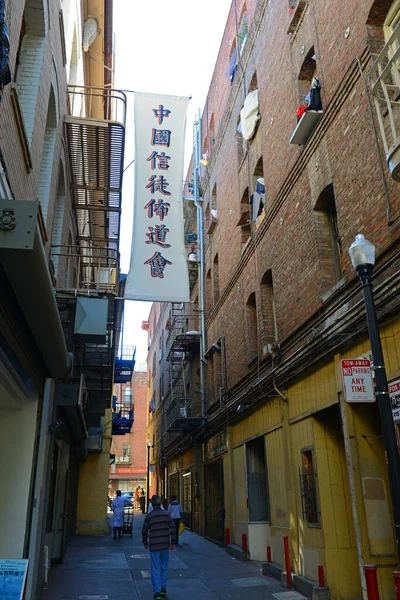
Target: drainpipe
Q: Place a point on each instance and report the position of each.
(200, 236)
(108, 52)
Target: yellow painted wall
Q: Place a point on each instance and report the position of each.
(93, 488)
(311, 417)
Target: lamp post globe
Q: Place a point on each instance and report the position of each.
(362, 254)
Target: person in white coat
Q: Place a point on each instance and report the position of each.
(118, 509)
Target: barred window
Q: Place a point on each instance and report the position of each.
(308, 487)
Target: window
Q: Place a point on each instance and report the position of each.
(241, 143)
(269, 334)
(252, 329)
(212, 131)
(58, 221)
(257, 481)
(126, 451)
(328, 239)
(232, 66)
(46, 167)
(242, 30)
(308, 487)
(216, 280)
(128, 395)
(245, 218)
(208, 291)
(258, 204)
(308, 71)
(27, 74)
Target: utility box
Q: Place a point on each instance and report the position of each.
(91, 320)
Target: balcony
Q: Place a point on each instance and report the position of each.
(181, 415)
(95, 134)
(183, 335)
(297, 15)
(385, 84)
(124, 364)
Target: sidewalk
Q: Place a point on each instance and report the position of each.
(99, 568)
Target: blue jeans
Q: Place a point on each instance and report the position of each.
(159, 569)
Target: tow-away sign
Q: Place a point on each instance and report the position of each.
(357, 380)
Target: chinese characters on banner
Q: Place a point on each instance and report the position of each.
(158, 269)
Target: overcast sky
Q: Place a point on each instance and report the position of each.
(164, 47)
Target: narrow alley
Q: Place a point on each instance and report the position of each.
(99, 568)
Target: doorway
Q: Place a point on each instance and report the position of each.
(214, 501)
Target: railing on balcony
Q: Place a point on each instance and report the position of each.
(123, 459)
(124, 364)
(183, 334)
(385, 82)
(97, 103)
(95, 135)
(85, 268)
(122, 416)
(182, 415)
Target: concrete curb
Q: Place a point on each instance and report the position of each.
(303, 586)
(237, 552)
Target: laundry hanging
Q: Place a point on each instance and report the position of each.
(249, 115)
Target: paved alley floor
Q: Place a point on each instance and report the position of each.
(99, 568)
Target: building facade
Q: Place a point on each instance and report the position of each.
(292, 168)
(128, 452)
(60, 324)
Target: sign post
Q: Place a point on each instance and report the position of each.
(357, 380)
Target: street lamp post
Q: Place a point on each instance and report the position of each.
(362, 254)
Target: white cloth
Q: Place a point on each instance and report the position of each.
(249, 115)
(118, 509)
(175, 510)
(150, 508)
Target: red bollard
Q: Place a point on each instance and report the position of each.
(269, 559)
(244, 542)
(396, 576)
(321, 578)
(372, 582)
(287, 562)
(227, 537)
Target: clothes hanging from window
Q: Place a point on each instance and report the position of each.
(313, 97)
(257, 200)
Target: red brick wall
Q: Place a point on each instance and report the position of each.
(136, 439)
(342, 153)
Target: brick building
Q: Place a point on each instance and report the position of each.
(128, 470)
(59, 262)
(272, 449)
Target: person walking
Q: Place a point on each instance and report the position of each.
(159, 532)
(117, 507)
(142, 500)
(175, 510)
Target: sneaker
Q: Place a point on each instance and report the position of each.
(157, 597)
(163, 592)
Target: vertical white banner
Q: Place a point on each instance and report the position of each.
(158, 269)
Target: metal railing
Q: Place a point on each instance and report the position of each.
(123, 459)
(88, 102)
(85, 268)
(385, 82)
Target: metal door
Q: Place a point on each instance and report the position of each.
(214, 501)
(187, 503)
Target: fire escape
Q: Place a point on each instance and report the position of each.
(122, 406)
(86, 270)
(385, 82)
(182, 344)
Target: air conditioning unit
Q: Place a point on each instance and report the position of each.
(72, 397)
